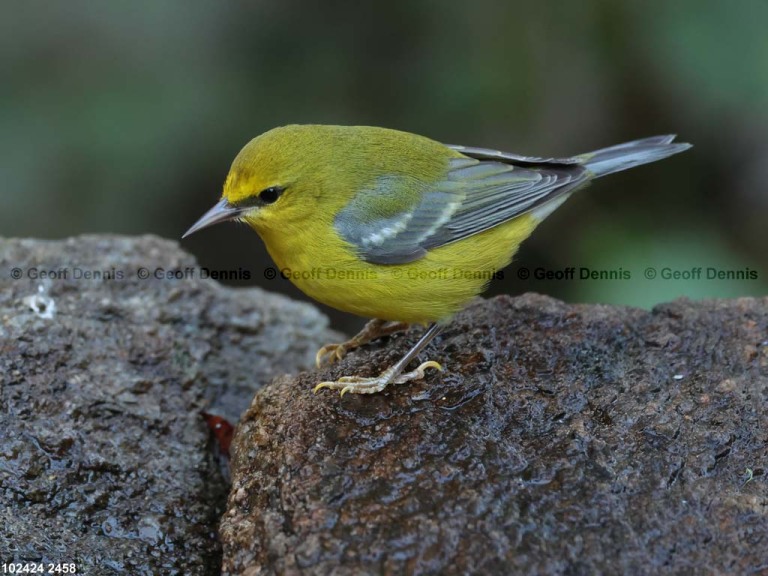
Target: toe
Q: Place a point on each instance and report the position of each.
(319, 356)
(418, 373)
(340, 352)
(328, 354)
(322, 385)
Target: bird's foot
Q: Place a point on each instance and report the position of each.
(360, 385)
(330, 353)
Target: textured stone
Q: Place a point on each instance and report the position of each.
(105, 459)
(559, 440)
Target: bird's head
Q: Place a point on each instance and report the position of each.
(307, 173)
(272, 182)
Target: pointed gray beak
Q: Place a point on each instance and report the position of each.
(219, 213)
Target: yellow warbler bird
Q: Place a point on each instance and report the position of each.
(398, 227)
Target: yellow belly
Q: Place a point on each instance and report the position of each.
(430, 289)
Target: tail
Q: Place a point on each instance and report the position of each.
(631, 154)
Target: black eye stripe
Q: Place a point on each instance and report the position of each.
(266, 196)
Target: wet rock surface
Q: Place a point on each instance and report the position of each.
(105, 459)
(559, 440)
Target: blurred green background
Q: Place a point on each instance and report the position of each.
(123, 117)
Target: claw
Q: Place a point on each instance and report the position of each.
(334, 352)
(320, 386)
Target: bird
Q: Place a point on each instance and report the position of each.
(398, 227)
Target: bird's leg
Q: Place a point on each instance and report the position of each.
(393, 375)
(374, 329)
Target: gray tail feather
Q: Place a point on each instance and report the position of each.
(631, 154)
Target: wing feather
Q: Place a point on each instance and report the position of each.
(508, 157)
(481, 190)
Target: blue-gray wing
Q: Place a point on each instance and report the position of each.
(398, 219)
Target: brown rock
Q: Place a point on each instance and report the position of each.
(559, 440)
(105, 459)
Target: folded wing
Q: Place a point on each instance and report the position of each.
(399, 218)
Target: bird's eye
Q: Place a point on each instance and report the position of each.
(271, 194)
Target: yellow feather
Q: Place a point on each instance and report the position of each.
(322, 266)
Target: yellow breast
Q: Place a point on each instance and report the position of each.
(433, 288)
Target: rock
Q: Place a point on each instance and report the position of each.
(105, 459)
(559, 440)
